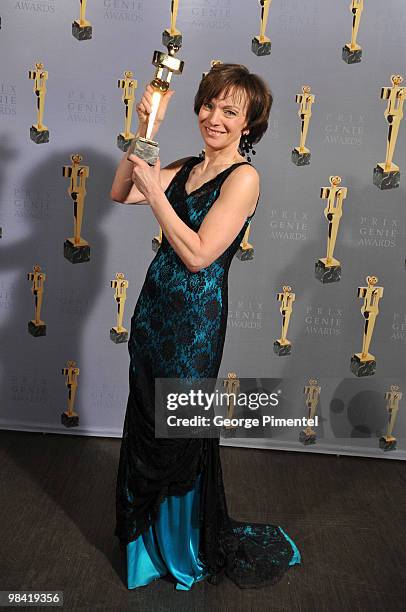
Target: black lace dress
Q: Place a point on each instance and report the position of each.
(170, 502)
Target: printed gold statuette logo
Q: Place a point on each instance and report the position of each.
(70, 418)
(388, 442)
(128, 84)
(82, 28)
(261, 45)
(245, 251)
(157, 241)
(363, 363)
(352, 52)
(232, 387)
(119, 333)
(75, 248)
(39, 132)
(312, 393)
(283, 346)
(301, 154)
(36, 327)
(328, 269)
(387, 174)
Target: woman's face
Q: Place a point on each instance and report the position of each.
(222, 119)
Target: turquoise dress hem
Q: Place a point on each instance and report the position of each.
(171, 545)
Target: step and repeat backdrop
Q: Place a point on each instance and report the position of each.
(317, 295)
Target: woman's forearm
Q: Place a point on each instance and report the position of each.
(184, 241)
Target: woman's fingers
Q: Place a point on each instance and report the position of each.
(135, 159)
(144, 107)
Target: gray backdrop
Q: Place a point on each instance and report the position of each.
(84, 113)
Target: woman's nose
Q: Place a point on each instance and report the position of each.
(214, 115)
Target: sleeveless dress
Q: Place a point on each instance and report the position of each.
(171, 511)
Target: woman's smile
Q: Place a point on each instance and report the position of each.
(213, 132)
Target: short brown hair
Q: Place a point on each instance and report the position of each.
(224, 77)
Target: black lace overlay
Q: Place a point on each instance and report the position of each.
(177, 331)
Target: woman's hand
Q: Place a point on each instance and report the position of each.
(146, 178)
(144, 107)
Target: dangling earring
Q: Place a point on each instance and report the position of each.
(246, 147)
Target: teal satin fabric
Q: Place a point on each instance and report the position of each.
(172, 545)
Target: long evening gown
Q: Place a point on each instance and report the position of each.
(170, 503)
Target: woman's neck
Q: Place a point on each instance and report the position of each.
(215, 159)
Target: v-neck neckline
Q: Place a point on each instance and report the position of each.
(207, 182)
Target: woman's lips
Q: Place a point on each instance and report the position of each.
(213, 132)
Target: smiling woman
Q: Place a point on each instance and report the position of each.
(171, 509)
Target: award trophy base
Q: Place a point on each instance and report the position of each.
(362, 368)
(147, 149)
(123, 143)
(330, 273)
(70, 420)
(76, 253)
(81, 32)
(282, 349)
(261, 47)
(307, 437)
(156, 243)
(37, 329)
(300, 159)
(245, 252)
(39, 136)
(351, 56)
(386, 179)
(171, 39)
(387, 443)
(118, 336)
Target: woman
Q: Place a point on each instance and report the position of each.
(171, 508)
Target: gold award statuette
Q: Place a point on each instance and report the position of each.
(172, 36)
(312, 392)
(76, 249)
(119, 333)
(352, 52)
(261, 45)
(245, 251)
(232, 385)
(39, 132)
(301, 154)
(328, 269)
(388, 442)
(128, 85)
(69, 418)
(364, 364)
(82, 28)
(157, 241)
(387, 174)
(146, 148)
(283, 346)
(36, 327)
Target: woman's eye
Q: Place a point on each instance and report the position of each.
(230, 111)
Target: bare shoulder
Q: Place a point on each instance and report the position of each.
(245, 176)
(168, 172)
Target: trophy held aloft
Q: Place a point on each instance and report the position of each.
(145, 148)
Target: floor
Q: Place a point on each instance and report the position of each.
(346, 515)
